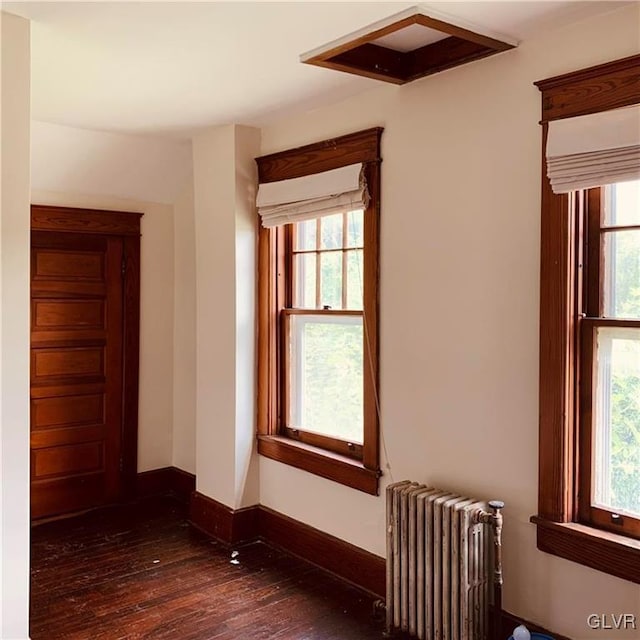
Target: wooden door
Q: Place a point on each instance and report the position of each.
(76, 371)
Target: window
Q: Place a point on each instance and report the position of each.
(589, 453)
(323, 333)
(609, 353)
(318, 322)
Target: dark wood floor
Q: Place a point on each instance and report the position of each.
(141, 571)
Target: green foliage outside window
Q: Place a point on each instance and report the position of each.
(625, 387)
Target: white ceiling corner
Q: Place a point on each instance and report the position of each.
(172, 68)
(118, 88)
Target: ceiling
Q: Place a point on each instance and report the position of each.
(172, 68)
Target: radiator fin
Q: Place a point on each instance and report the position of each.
(439, 561)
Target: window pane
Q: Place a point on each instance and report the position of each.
(616, 474)
(331, 232)
(622, 274)
(326, 386)
(622, 203)
(305, 234)
(354, 279)
(305, 289)
(331, 280)
(355, 228)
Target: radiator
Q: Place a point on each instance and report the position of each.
(443, 563)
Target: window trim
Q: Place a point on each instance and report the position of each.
(331, 443)
(361, 147)
(592, 232)
(600, 88)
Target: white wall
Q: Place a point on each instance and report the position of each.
(143, 168)
(214, 198)
(14, 322)
(459, 306)
(155, 419)
(80, 167)
(224, 188)
(184, 333)
(247, 148)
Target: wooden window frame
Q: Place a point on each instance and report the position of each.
(593, 231)
(357, 469)
(559, 527)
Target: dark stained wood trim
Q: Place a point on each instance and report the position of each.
(461, 32)
(371, 315)
(127, 226)
(592, 90)
(583, 466)
(362, 56)
(154, 482)
(600, 88)
(335, 64)
(372, 61)
(341, 447)
(351, 563)
(321, 312)
(168, 480)
(594, 548)
(77, 220)
(320, 462)
(611, 322)
(131, 345)
(267, 401)
(221, 522)
(444, 54)
(592, 253)
(557, 337)
(590, 73)
(362, 146)
(348, 562)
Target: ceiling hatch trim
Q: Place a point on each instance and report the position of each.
(390, 49)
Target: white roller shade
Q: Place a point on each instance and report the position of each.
(320, 194)
(589, 151)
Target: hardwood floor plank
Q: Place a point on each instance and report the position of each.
(140, 572)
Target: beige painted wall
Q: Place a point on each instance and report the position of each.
(459, 306)
(214, 197)
(134, 167)
(184, 333)
(247, 148)
(155, 421)
(224, 189)
(14, 326)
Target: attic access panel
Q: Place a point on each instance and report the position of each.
(407, 46)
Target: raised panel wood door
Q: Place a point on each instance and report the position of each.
(76, 371)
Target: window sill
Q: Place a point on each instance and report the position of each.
(332, 466)
(608, 552)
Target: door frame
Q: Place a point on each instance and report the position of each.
(125, 224)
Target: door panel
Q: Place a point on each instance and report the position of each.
(58, 264)
(67, 411)
(68, 314)
(76, 371)
(65, 460)
(68, 362)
